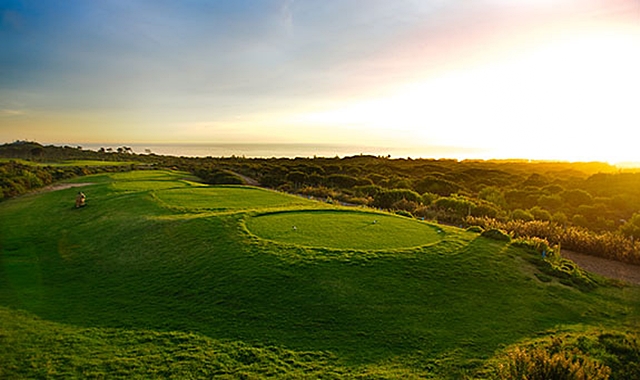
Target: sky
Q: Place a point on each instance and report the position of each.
(538, 79)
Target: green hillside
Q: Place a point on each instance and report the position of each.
(162, 276)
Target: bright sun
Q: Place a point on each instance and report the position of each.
(574, 99)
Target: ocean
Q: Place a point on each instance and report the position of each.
(286, 150)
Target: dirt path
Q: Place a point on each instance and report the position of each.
(248, 180)
(604, 267)
(62, 186)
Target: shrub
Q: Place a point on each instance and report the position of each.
(606, 244)
(436, 185)
(519, 214)
(368, 190)
(559, 218)
(428, 198)
(404, 213)
(405, 205)
(387, 198)
(576, 197)
(539, 364)
(496, 234)
(631, 228)
(540, 214)
(535, 244)
(476, 229)
(625, 358)
(320, 192)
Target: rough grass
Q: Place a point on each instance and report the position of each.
(129, 268)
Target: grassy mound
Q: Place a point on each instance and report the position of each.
(129, 268)
(344, 230)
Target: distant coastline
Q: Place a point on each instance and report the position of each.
(291, 150)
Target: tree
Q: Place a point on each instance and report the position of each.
(550, 202)
(540, 214)
(386, 199)
(577, 197)
(297, 178)
(559, 218)
(520, 214)
(494, 195)
(342, 181)
(433, 184)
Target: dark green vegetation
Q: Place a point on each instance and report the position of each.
(162, 276)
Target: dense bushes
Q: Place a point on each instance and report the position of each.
(496, 234)
(216, 176)
(606, 244)
(576, 356)
(387, 198)
(17, 178)
(540, 364)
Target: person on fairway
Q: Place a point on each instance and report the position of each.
(80, 199)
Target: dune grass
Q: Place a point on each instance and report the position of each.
(130, 268)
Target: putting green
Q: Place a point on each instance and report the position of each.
(344, 229)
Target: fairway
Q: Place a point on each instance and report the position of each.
(164, 277)
(344, 229)
(227, 198)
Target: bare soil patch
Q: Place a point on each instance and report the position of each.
(604, 267)
(63, 186)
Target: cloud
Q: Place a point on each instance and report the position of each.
(7, 112)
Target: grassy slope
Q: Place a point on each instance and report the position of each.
(153, 256)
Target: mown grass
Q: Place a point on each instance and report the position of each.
(344, 229)
(131, 266)
(228, 197)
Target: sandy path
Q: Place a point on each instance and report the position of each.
(248, 180)
(604, 267)
(63, 186)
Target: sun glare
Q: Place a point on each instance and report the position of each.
(576, 99)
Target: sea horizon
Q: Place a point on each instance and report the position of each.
(284, 150)
(309, 150)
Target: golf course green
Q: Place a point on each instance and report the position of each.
(344, 229)
(160, 276)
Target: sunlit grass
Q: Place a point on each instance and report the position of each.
(228, 198)
(128, 285)
(344, 229)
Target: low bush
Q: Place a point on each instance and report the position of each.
(606, 244)
(534, 244)
(404, 213)
(540, 364)
(592, 354)
(476, 229)
(496, 234)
